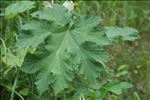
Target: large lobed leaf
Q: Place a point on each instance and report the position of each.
(70, 45)
(69, 50)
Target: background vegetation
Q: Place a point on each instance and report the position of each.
(130, 61)
(136, 55)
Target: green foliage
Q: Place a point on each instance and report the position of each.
(136, 54)
(126, 33)
(18, 7)
(24, 91)
(72, 47)
(64, 51)
(117, 87)
(132, 13)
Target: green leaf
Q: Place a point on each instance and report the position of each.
(117, 87)
(29, 41)
(126, 33)
(122, 67)
(121, 73)
(14, 60)
(9, 59)
(67, 48)
(88, 25)
(136, 96)
(35, 37)
(57, 14)
(18, 7)
(24, 91)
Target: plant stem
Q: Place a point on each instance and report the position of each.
(15, 83)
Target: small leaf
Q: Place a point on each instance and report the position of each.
(24, 91)
(126, 33)
(121, 73)
(14, 60)
(136, 96)
(18, 7)
(10, 59)
(122, 67)
(117, 87)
